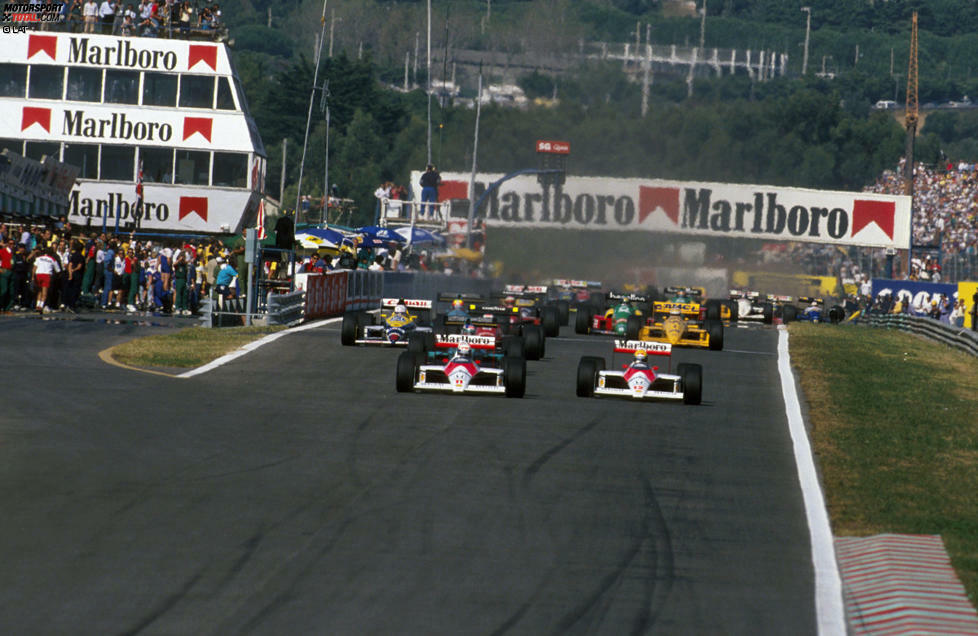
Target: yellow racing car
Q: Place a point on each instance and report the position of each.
(679, 324)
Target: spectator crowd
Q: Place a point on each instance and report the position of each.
(149, 18)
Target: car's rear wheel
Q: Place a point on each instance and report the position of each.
(533, 341)
(713, 309)
(417, 343)
(767, 311)
(563, 312)
(633, 326)
(550, 321)
(349, 328)
(406, 367)
(789, 313)
(513, 347)
(514, 376)
(715, 331)
(692, 375)
(582, 324)
(837, 314)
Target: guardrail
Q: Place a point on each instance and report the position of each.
(286, 309)
(956, 337)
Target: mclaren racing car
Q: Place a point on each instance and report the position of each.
(462, 364)
(638, 379)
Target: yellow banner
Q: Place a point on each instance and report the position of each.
(966, 290)
(795, 284)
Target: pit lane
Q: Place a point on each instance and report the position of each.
(293, 491)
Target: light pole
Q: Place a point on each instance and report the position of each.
(808, 30)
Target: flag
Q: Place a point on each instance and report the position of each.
(261, 220)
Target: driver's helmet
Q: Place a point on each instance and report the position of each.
(400, 310)
(469, 329)
(509, 301)
(674, 311)
(814, 304)
(457, 304)
(464, 349)
(640, 355)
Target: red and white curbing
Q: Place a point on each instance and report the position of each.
(902, 584)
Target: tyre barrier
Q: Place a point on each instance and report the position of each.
(957, 337)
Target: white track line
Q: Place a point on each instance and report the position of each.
(829, 608)
(251, 346)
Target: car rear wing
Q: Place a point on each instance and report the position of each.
(631, 297)
(452, 341)
(650, 347)
(576, 284)
(780, 299)
(664, 306)
(692, 291)
(811, 299)
(410, 303)
(468, 296)
(477, 321)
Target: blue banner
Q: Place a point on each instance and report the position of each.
(920, 294)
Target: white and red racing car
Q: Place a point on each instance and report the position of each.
(461, 363)
(638, 379)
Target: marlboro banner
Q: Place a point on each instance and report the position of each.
(691, 208)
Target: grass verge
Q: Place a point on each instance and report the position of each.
(187, 348)
(894, 422)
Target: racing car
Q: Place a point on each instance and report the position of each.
(518, 322)
(546, 312)
(638, 380)
(752, 305)
(681, 325)
(462, 364)
(813, 311)
(392, 327)
(617, 319)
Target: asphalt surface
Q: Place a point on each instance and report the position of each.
(293, 491)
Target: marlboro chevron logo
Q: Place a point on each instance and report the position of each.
(733, 210)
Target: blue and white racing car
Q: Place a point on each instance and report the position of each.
(398, 321)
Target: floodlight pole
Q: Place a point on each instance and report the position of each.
(475, 156)
(312, 97)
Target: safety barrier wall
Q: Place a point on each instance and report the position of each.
(286, 309)
(956, 337)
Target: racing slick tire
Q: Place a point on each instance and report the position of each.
(692, 375)
(598, 300)
(837, 314)
(734, 309)
(789, 314)
(513, 347)
(514, 376)
(713, 309)
(582, 324)
(633, 326)
(349, 329)
(406, 367)
(715, 330)
(563, 312)
(550, 320)
(767, 311)
(533, 341)
(416, 343)
(587, 371)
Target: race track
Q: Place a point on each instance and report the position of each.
(292, 491)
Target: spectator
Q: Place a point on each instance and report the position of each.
(90, 13)
(106, 12)
(227, 276)
(6, 272)
(429, 182)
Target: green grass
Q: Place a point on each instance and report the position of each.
(895, 430)
(187, 348)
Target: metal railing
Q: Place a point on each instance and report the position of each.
(957, 337)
